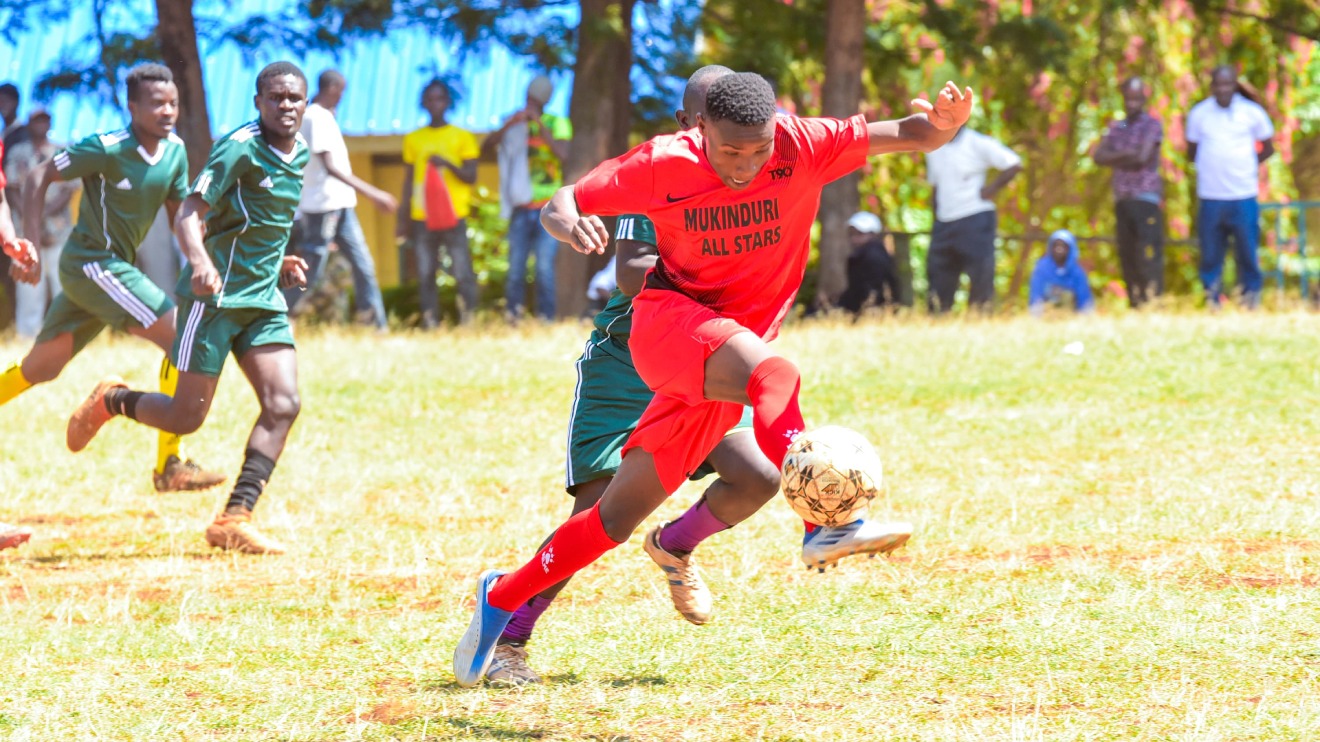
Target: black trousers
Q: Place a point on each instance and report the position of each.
(961, 246)
(1140, 238)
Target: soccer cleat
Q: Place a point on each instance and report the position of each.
(508, 666)
(235, 532)
(826, 545)
(184, 476)
(690, 595)
(90, 415)
(476, 648)
(11, 536)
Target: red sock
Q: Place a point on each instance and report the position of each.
(577, 543)
(776, 419)
(810, 526)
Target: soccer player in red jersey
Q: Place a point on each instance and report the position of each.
(733, 203)
(24, 255)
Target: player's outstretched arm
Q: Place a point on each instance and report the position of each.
(561, 218)
(188, 229)
(929, 129)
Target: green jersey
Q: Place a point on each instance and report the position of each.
(253, 191)
(123, 189)
(615, 320)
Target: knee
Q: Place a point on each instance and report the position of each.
(282, 407)
(755, 478)
(40, 373)
(189, 414)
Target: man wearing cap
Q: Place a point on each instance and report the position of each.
(871, 269)
(33, 299)
(531, 147)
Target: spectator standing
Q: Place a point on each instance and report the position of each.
(1132, 148)
(1059, 276)
(872, 274)
(12, 132)
(963, 237)
(437, 199)
(531, 147)
(50, 235)
(326, 209)
(1223, 134)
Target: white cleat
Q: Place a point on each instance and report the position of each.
(826, 545)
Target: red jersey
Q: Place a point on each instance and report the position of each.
(741, 253)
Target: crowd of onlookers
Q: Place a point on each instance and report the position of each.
(1228, 135)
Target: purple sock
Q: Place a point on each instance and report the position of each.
(691, 528)
(524, 619)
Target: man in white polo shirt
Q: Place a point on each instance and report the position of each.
(329, 195)
(1222, 136)
(963, 237)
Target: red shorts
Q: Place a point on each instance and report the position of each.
(672, 336)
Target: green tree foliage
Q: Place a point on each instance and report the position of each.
(1047, 76)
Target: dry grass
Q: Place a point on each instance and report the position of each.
(1114, 545)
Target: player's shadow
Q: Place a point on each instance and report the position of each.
(637, 681)
(488, 731)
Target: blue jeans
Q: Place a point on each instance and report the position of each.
(427, 244)
(1217, 222)
(311, 240)
(526, 238)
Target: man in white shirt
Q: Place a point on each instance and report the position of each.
(329, 196)
(1223, 132)
(963, 237)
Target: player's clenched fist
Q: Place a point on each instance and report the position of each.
(205, 279)
(951, 108)
(293, 272)
(589, 235)
(23, 252)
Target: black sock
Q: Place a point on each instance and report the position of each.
(122, 401)
(251, 481)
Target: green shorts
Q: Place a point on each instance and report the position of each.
(101, 293)
(609, 400)
(206, 335)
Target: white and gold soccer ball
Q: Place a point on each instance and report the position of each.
(830, 475)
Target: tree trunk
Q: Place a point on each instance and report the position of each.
(176, 33)
(601, 110)
(841, 96)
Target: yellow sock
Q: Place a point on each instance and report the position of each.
(12, 382)
(168, 444)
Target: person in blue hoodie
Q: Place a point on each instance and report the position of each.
(1058, 273)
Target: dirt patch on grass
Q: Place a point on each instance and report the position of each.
(391, 711)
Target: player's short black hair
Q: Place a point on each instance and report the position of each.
(145, 74)
(279, 69)
(330, 78)
(743, 98)
(9, 89)
(436, 82)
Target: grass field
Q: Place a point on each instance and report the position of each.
(1121, 544)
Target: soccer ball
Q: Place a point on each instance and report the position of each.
(830, 475)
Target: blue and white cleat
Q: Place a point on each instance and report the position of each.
(825, 546)
(475, 650)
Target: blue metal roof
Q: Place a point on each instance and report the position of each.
(385, 75)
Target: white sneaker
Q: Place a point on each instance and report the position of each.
(826, 545)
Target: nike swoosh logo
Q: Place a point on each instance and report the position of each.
(670, 197)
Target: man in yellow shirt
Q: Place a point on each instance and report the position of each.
(437, 198)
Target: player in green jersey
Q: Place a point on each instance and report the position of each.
(127, 176)
(230, 300)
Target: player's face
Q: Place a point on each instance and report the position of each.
(436, 101)
(1134, 102)
(737, 153)
(1223, 86)
(156, 109)
(281, 103)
